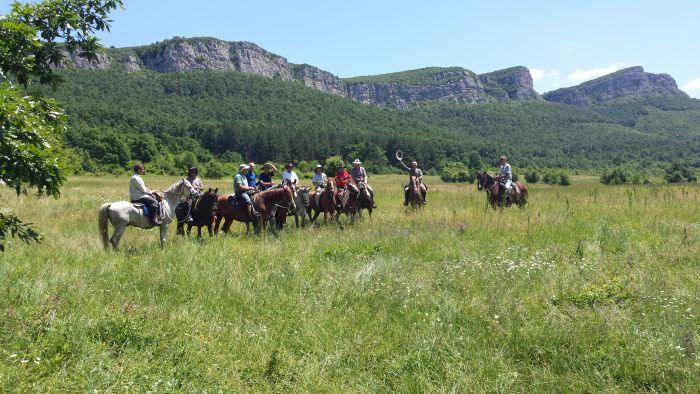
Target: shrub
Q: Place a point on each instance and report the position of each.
(532, 177)
(680, 172)
(216, 170)
(616, 176)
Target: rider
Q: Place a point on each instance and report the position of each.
(139, 193)
(359, 175)
(505, 176)
(413, 170)
(342, 179)
(289, 177)
(241, 189)
(251, 176)
(319, 181)
(197, 185)
(265, 181)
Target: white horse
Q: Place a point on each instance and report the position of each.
(123, 213)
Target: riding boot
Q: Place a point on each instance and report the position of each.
(405, 197)
(155, 219)
(424, 193)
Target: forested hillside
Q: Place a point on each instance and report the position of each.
(171, 120)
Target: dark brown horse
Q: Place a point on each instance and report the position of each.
(202, 211)
(326, 202)
(347, 202)
(415, 196)
(364, 200)
(264, 202)
(495, 192)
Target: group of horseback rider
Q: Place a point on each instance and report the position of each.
(246, 182)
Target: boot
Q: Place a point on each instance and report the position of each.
(423, 192)
(405, 197)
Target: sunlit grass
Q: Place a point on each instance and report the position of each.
(589, 288)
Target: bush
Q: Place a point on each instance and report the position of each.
(616, 176)
(560, 178)
(680, 172)
(331, 165)
(564, 179)
(532, 177)
(215, 169)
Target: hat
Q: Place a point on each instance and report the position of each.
(243, 167)
(289, 165)
(318, 166)
(192, 168)
(356, 161)
(267, 165)
(341, 164)
(503, 158)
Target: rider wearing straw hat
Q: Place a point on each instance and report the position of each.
(359, 175)
(265, 181)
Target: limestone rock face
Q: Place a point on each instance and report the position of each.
(181, 55)
(250, 58)
(131, 64)
(631, 81)
(403, 89)
(318, 79)
(101, 62)
(513, 83)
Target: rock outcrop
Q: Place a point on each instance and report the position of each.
(318, 79)
(250, 58)
(409, 87)
(131, 64)
(631, 81)
(513, 83)
(74, 60)
(185, 55)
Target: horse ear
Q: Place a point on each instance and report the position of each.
(216, 190)
(209, 190)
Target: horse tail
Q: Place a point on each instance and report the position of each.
(102, 224)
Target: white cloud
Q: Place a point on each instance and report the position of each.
(536, 73)
(692, 85)
(582, 75)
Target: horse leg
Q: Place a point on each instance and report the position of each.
(296, 220)
(199, 232)
(217, 221)
(163, 234)
(209, 229)
(117, 236)
(189, 229)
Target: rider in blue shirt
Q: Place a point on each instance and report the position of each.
(251, 175)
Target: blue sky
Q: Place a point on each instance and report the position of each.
(562, 42)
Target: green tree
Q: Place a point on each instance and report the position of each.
(31, 127)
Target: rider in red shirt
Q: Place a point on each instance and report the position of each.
(342, 176)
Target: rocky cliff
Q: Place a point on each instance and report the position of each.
(399, 90)
(409, 87)
(631, 81)
(513, 83)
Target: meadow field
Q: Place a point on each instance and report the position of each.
(590, 288)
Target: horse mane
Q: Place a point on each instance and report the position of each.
(173, 188)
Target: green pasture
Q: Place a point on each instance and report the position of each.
(590, 288)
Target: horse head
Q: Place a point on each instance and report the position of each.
(214, 196)
(186, 188)
(479, 181)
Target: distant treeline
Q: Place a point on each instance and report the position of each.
(218, 119)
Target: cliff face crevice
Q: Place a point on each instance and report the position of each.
(633, 81)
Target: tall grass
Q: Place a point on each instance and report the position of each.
(589, 288)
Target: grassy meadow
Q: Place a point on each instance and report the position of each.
(590, 288)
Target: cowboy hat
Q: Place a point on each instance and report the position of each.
(243, 167)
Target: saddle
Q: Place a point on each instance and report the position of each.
(146, 210)
(234, 201)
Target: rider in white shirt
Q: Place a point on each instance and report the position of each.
(505, 174)
(289, 177)
(319, 181)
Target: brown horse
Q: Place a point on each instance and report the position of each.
(495, 192)
(365, 200)
(264, 202)
(326, 202)
(415, 196)
(351, 206)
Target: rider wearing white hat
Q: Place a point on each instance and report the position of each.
(359, 175)
(241, 188)
(319, 181)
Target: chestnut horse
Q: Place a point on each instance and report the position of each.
(202, 211)
(495, 192)
(415, 196)
(264, 202)
(326, 202)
